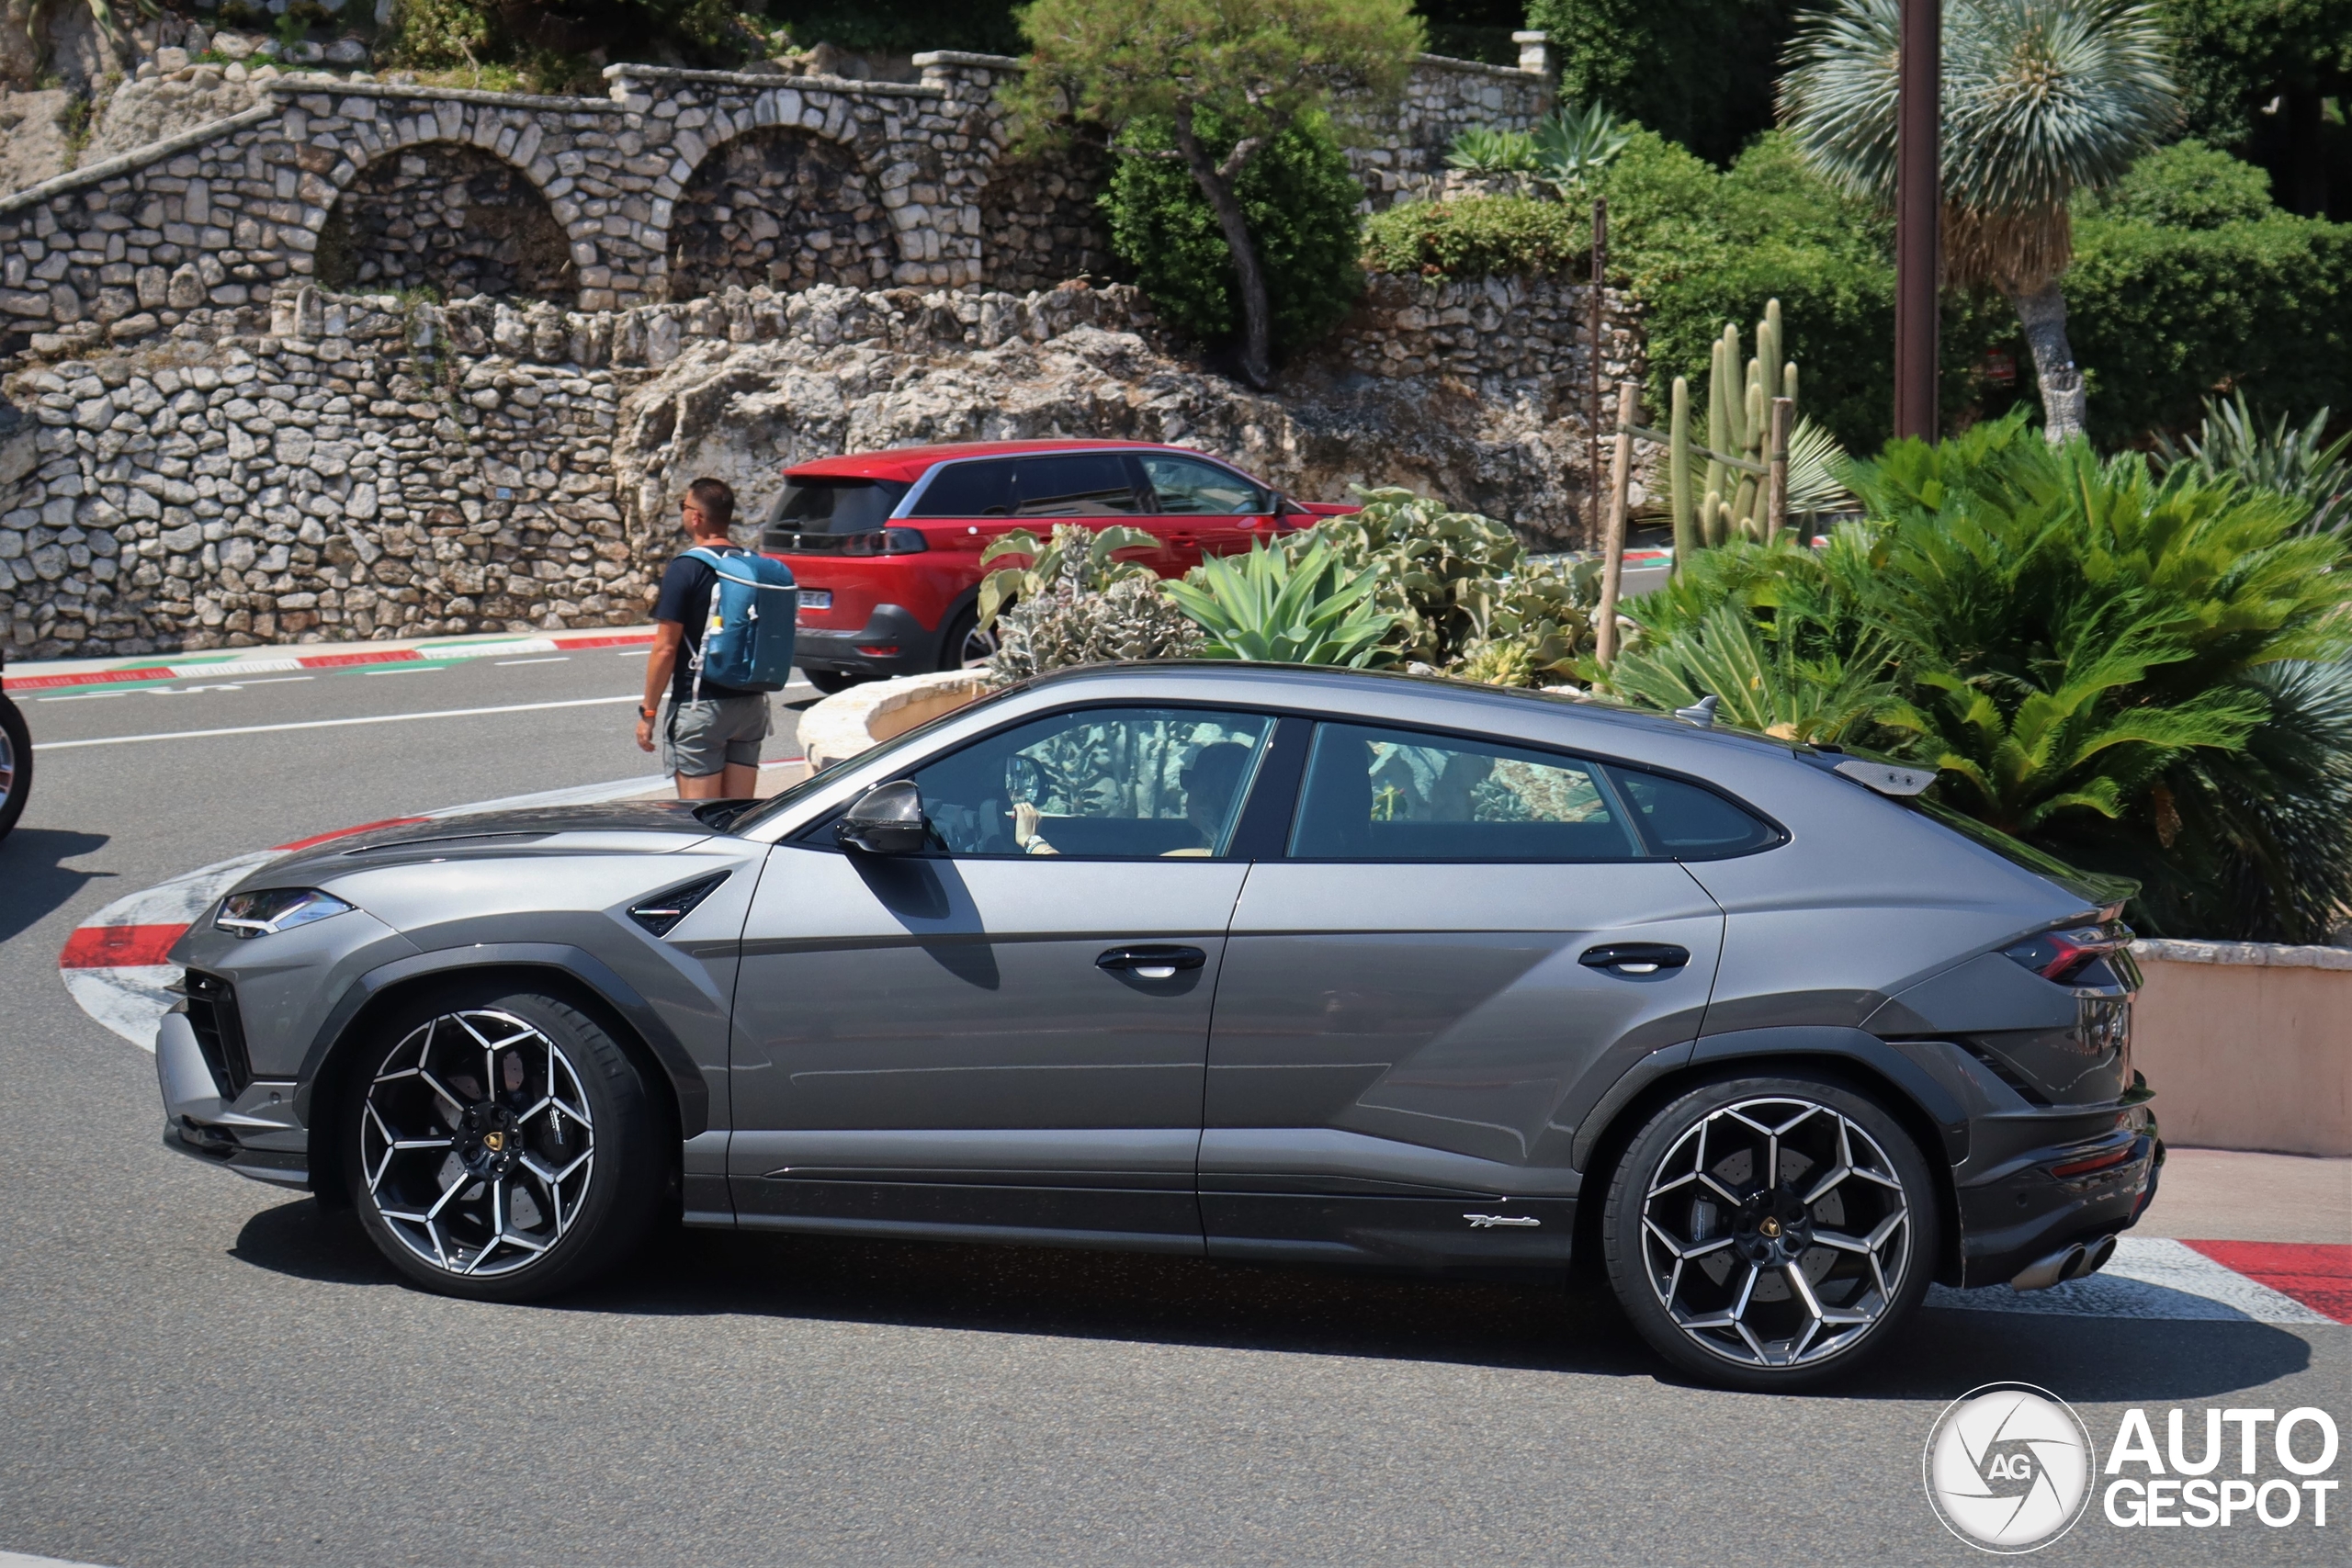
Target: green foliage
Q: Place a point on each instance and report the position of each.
(1299, 198)
(1129, 619)
(2299, 463)
(903, 27)
(1572, 145)
(1480, 236)
(2237, 55)
(2161, 317)
(534, 46)
(1076, 561)
(1274, 606)
(1696, 71)
(1483, 149)
(2186, 185)
(2081, 648)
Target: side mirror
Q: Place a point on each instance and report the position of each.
(884, 821)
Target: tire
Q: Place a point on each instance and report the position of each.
(549, 1179)
(1759, 1301)
(16, 765)
(965, 645)
(832, 680)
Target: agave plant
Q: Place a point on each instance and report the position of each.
(1277, 608)
(1076, 561)
(1572, 144)
(1484, 149)
(2300, 463)
(2040, 99)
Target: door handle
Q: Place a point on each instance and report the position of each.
(1635, 958)
(1152, 962)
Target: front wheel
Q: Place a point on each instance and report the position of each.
(501, 1144)
(16, 765)
(1768, 1232)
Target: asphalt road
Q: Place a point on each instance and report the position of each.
(197, 1368)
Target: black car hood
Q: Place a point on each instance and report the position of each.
(505, 830)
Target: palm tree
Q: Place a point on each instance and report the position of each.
(2040, 99)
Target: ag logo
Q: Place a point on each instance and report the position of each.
(2009, 1468)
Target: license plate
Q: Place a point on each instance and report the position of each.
(816, 598)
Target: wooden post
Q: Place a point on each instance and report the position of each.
(1776, 483)
(1612, 547)
(1594, 329)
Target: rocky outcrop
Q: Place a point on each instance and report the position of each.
(164, 105)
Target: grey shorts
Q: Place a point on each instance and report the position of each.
(700, 738)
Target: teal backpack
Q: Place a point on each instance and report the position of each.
(747, 643)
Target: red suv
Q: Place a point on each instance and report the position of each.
(886, 545)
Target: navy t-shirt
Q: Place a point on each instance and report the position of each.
(685, 598)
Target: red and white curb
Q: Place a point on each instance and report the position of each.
(114, 963)
(277, 660)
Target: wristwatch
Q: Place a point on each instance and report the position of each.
(647, 713)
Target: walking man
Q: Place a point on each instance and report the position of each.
(711, 737)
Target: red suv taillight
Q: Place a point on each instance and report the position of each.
(2059, 956)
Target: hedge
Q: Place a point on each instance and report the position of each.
(1480, 236)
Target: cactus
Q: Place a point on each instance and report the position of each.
(1728, 501)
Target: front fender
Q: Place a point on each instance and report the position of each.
(677, 1063)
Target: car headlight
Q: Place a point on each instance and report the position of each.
(274, 910)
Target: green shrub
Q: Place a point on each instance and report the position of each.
(1275, 606)
(2186, 185)
(1300, 200)
(1483, 236)
(1698, 71)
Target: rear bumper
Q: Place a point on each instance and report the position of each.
(2022, 1210)
(915, 647)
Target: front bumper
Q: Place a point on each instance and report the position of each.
(254, 1132)
(891, 626)
(2022, 1210)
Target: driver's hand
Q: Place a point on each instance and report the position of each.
(1025, 823)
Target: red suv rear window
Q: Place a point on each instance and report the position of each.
(818, 505)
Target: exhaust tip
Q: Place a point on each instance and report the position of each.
(2096, 1257)
(2059, 1265)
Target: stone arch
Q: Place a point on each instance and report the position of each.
(780, 206)
(446, 216)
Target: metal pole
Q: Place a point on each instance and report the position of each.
(1612, 544)
(1917, 209)
(1597, 371)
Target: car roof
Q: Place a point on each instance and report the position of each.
(908, 463)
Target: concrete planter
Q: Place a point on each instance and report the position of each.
(2248, 1045)
(850, 721)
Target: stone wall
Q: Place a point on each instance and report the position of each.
(1401, 155)
(347, 468)
(447, 217)
(729, 231)
(1041, 220)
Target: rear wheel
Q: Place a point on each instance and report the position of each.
(832, 680)
(500, 1145)
(1768, 1232)
(966, 646)
(16, 765)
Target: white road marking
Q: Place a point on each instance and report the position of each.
(558, 659)
(83, 697)
(176, 691)
(2148, 1278)
(326, 723)
(405, 669)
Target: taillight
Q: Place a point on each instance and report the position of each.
(2059, 956)
(887, 542)
(2094, 1162)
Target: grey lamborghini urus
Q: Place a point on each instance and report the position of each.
(1224, 960)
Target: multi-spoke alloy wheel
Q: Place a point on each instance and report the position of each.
(1770, 1227)
(476, 1142)
(499, 1146)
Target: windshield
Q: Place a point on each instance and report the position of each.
(911, 740)
(817, 505)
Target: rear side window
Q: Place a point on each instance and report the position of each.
(968, 490)
(1085, 484)
(817, 505)
(1188, 487)
(1683, 821)
(1395, 794)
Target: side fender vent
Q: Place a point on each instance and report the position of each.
(665, 910)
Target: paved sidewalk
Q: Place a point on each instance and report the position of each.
(2224, 1195)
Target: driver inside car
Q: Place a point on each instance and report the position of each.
(1212, 780)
